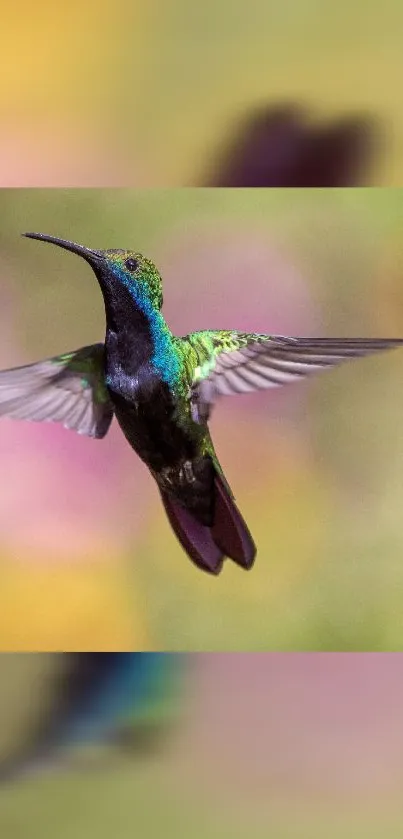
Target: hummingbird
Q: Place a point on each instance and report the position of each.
(127, 699)
(162, 388)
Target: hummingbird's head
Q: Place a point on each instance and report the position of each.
(137, 273)
(117, 269)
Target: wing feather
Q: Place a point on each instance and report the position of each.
(68, 388)
(237, 362)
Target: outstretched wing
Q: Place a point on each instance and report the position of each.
(237, 362)
(68, 388)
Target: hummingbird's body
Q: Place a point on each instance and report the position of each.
(147, 380)
(161, 388)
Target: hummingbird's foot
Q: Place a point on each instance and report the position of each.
(165, 477)
(170, 476)
(186, 473)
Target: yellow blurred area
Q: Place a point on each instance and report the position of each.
(53, 54)
(57, 608)
(151, 90)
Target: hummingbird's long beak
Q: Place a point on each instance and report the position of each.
(91, 256)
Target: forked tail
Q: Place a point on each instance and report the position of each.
(207, 546)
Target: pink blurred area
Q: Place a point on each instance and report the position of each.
(235, 276)
(61, 487)
(56, 156)
(277, 737)
(244, 266)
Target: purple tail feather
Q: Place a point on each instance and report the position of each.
(208, 546)
(194, 537)
(229, 530)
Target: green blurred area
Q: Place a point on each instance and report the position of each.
(121, 801)
(316, 470)
(145, 94)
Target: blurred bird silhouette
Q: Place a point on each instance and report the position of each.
(123, 698)
(280, 147)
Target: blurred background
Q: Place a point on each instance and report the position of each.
(87, 558)
(151, 94)
(297, 745)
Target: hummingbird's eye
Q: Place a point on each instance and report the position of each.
(132, 264)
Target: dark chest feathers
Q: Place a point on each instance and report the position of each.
(146, 412)
(145, 407)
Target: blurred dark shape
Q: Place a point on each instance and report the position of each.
(125, 698)
(278, 147)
